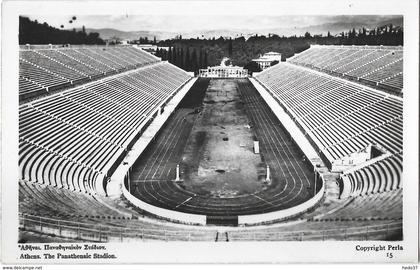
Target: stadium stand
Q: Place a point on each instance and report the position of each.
(60, 173)
(370, 207)
(381, 176)
(81, 216)
(114, 110)
(94, 218)
(342, 118)
(44, 70)
(380, 66)
(337, 115)
(36, 199)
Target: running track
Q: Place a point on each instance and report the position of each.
(292, 178)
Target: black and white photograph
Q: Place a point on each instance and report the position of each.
(199, 126)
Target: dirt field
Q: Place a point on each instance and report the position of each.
(219, 160)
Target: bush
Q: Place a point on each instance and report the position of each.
(252, 67)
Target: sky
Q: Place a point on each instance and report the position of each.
(185, 23)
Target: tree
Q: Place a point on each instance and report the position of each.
(307, 35)
(181, 59)
(158, 53)
(194, 66)
(164, 54)
(154, 40)
(206, 62)
(174, 55)
(187, 60)
(252, 67)
(230, 49)
(169, 58)
(352, 33)
(115, 39)
(201, 59)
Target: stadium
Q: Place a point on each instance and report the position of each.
(118, 145)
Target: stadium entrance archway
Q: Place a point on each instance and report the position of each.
(222, 220)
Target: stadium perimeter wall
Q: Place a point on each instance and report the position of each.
(285, 213)
(169, 214)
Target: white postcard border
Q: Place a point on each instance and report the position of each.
(243, 252)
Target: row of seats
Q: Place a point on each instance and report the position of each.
(377, 65)
(340, 117)
(83, 213)
(374, 216)
(40, 165)
(72, 139)
(380, 206)
(79, 214)
(381, 176)
(37, 198)
(39, 78)
(43, 70)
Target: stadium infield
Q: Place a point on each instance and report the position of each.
(210, 135)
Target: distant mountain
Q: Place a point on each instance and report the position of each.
(339, 27)
(334, 28)
(107, 33)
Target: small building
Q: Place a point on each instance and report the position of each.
(150, 48)
(224, 71)
(124, 42)
(147, 47)
(264, 61)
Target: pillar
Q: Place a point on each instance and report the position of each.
(268, 178)
(177, 178)
(256, 147)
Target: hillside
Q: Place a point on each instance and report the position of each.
(32, 32)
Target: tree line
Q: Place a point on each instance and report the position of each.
(188, 58)
(241, 51)
(33, 32)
